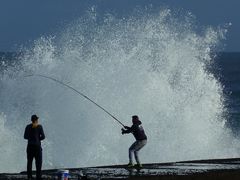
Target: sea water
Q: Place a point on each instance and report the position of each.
(158, 66)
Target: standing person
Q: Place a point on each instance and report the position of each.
(34, 134)
(141, 140)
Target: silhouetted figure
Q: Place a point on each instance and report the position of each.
(141, 140)
(34, 134)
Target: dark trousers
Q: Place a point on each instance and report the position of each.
(34, 151)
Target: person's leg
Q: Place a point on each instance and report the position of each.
(38, 160)
(139, 145)
(136, 157)
(131, 150)
(30, 155)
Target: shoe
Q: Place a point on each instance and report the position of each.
(130, 165)
(138, 166)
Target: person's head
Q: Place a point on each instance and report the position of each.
(34, 118)
(135, 119)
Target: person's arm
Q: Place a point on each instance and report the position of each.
(42, 135)
(127, 130)
(126, 127)
(26, 133)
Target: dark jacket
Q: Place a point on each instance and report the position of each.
(137, 130)
(34, 135)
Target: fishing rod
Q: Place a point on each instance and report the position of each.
(60, 82)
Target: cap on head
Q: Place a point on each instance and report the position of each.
(34, 118)
(135, 119)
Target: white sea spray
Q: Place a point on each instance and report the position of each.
(150, 65)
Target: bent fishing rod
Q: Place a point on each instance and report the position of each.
(80, 93)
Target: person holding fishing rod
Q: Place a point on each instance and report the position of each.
(141, 140)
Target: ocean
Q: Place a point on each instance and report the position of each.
(158, 67)
(228, 74)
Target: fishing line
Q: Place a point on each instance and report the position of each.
(80, 93)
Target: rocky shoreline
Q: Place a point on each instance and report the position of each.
(220, 169)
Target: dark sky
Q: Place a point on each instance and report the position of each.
(22, 21)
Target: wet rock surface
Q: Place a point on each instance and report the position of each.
(199, 169)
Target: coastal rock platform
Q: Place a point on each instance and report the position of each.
(190, 170)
